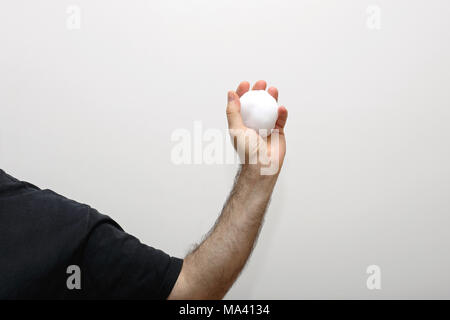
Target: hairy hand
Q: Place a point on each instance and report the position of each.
(268, 153)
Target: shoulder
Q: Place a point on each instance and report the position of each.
(34, 210)
(62, 212)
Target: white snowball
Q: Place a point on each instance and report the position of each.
(259, 110)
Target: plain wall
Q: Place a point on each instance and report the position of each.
(89, 113)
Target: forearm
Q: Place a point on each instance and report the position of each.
(210, 269)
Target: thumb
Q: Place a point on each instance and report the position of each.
(234, 111)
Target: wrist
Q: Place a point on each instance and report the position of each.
(256, 173)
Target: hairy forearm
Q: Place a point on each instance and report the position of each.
(210, 270)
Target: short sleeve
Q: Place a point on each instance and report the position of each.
(116, 265)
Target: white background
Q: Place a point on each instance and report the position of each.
(89, 113)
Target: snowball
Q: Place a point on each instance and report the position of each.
(259, 110)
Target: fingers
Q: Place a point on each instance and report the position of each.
(242, 88)
(273, 92)
(259, 85)
(282, 118)
(234, 111)
(234, 105)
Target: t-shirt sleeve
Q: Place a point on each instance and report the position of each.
(117, 265)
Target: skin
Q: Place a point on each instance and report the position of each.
(210, 270)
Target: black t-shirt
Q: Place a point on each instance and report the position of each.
(55, 248)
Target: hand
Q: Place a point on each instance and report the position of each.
(213, 266)
(268, 153)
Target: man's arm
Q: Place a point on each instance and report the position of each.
(210, 270)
